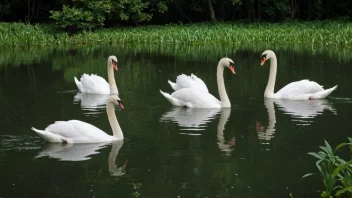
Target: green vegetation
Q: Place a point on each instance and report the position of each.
(312, 33)
(335, 171)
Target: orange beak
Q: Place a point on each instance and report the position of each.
(263, 61)
(232, 68)
(115, 66)
(121, 105)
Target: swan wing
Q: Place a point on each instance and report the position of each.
(94, 84)
(192, 81)
(192, 98)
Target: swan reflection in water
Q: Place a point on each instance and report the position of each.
(303, 112)
(267, 133)
(81, 152)
(92, 103)
(196, 119)
(190, 118)
(224, 117)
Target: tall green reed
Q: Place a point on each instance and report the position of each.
(335, 171)
(326, 33)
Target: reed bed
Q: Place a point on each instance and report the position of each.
(325, 33)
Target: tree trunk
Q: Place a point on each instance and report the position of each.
(259, 16)
(211, 10)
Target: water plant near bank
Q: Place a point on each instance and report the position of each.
(335, 171)
(327, 33)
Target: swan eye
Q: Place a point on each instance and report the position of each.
(263, 56)
(114, 61)
(231, 63)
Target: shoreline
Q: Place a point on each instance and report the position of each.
(317, 33)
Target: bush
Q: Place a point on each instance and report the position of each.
(85, 15)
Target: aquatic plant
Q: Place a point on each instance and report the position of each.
(335, 171)
(325, 33)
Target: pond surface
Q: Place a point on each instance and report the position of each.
(258, 148)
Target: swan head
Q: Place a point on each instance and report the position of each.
(266, 55)
(112, 61)
(226, 62)
(116, 100)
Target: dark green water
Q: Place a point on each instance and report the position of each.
(258, 148)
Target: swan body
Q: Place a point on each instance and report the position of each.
(195, 97)
(75, 131)
(192, 98)
(91, 101)
(95, 84)
(192, 81)
(299, 90)
(92, 83)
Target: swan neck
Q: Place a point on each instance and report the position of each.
(115, 126)
(224, 99)
(269, 91)
(111, 78)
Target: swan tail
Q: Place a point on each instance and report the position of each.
(172, 100)
(324, 93)
(173, 85)
(79, 84)
(51, 137)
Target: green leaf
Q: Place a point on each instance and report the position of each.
(316, 155)
(308, 174)
(339, 168)
(339, 146)
(343, 190)
(329, 149)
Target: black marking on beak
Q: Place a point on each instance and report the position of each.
(263, 56)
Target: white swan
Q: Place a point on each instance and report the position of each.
(91, 101)
(75, 131)
(192, 81)
(97, 85)
(299, 90)
(197, 98)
